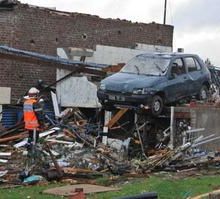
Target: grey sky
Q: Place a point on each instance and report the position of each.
(196, 22)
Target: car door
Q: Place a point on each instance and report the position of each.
(177, 77)
(195, 75)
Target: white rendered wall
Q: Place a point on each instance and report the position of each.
(76, 91)
(114, 55)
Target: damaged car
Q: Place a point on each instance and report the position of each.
(154, 80)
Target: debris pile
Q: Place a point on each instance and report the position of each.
(71, 148)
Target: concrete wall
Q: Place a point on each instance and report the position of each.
(43, 30)
(208, 118)
(199, 117)
(113, 55)
(76, 91)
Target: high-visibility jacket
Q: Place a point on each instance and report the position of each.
(30, 118)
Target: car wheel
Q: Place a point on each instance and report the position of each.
(157, 105)
(203, 93)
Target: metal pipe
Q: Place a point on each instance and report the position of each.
(34, 137)
(206, 141)
(165, 12)
(195, 130)
(202, 138)
(172, 127)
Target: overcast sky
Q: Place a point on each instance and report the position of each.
(196, 22)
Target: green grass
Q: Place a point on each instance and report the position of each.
(25, 192)
(166, 188)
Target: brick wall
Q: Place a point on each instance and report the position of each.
(43, 30)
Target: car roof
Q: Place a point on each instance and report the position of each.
(166, 55)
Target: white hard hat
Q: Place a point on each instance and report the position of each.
(33, 90)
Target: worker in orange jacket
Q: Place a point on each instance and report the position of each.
(31, 111)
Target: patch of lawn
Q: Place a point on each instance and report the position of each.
(31, 192)
(166, 188)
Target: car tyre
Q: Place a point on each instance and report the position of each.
(157, 105)
(203, 93)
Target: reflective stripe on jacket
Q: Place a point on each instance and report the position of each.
(30, 118)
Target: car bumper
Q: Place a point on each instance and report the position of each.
(109, 98)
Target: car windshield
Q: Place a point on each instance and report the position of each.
(147, 65)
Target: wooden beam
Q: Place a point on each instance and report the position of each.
(15, 137)
(116, 117)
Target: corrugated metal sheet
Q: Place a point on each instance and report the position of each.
(48, 110)
(10, 116)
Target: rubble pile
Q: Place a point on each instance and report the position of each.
(71, 148)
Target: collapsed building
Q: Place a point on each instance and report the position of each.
(73, 36)
(31, 40)
(53, 32)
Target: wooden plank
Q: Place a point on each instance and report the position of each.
(114, 68)
(87, 188)
(5, 153)
(48, 132)
(116, 117)
(3, 161)
(69, 133)
(15, 137)
(59, 141)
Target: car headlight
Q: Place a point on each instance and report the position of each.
(142, 91)
(102, 86)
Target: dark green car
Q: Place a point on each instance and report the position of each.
(153, 80)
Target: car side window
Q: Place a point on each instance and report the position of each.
(198, 66)
(178, 67)
(192, 64)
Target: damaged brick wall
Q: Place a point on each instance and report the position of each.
(43, 30)
(17, 27)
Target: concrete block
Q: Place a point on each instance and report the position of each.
(5, 95)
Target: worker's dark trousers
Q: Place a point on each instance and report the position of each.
(31, 136)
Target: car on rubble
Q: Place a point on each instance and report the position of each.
(156, 79)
